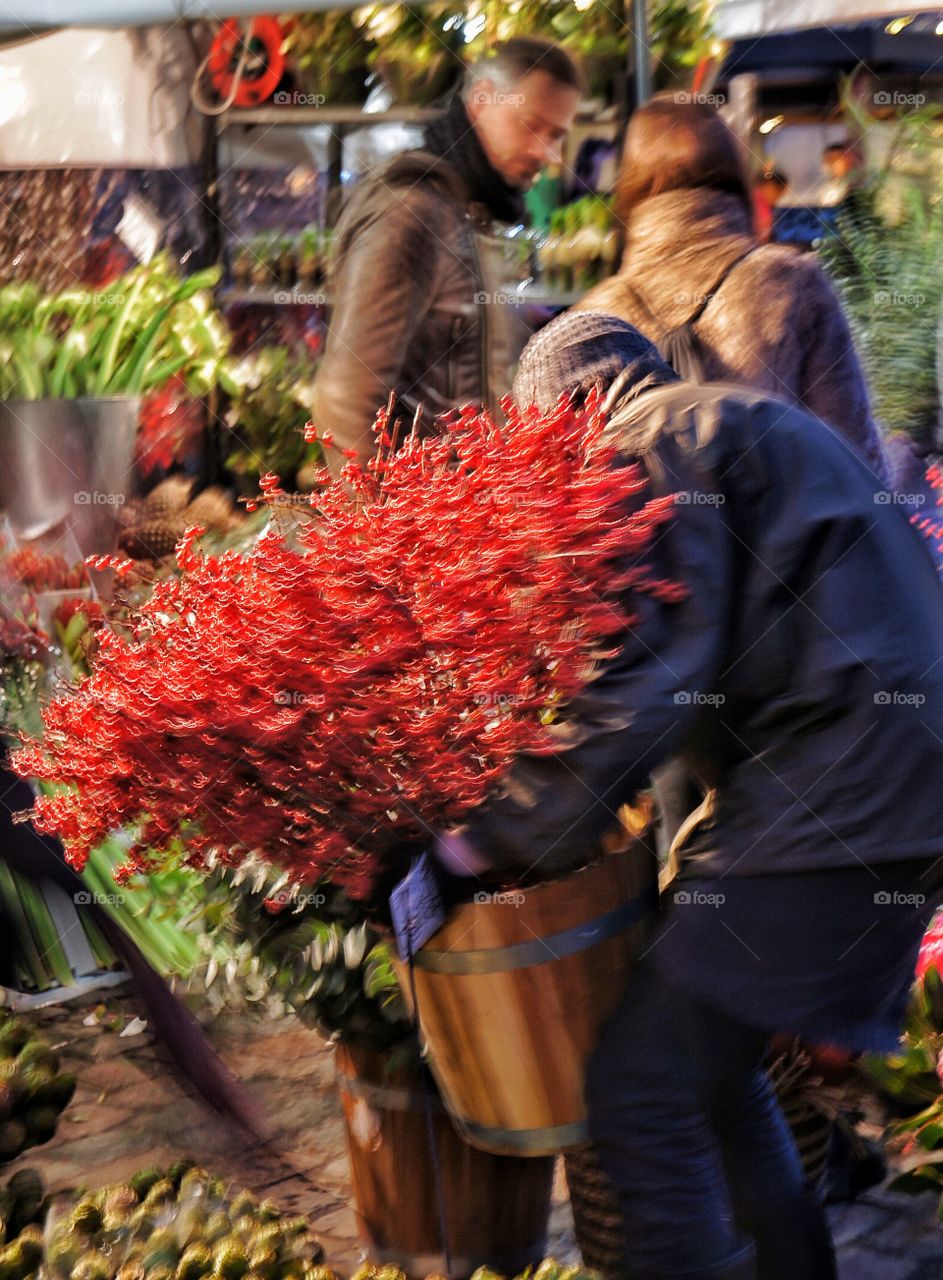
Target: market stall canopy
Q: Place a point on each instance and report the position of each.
(915, 48)
(740, 19)
(38, 15)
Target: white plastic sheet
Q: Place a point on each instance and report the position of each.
(740, 19)
(118, 99)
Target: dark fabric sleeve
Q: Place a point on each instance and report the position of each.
(383, 288)
(551, 811)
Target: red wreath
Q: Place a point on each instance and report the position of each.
(262, 68)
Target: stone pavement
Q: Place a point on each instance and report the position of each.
(885, 1235)
(131, 1111)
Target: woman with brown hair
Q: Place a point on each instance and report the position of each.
(695, 281)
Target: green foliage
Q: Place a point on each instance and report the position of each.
(678, 35)
(131, 338)
(912, 1079)
(886, 262)
(330, 50)
(267, 415)
(292, 950)
(419, 50)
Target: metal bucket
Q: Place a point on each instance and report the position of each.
(68, 464)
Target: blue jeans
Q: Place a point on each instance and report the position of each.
(690, 1134)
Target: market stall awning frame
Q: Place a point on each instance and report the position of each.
(44, 15)
(742, 19)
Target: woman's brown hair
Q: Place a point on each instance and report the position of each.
(674, 143)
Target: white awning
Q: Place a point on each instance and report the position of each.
(743, 19)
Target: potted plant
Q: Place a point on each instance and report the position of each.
(418, 52)
(886, 262)
(329, 53)
(264, 249)
(266, 417)
(73, 367)
(311, 255)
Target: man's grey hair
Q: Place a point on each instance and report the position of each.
(517, 58)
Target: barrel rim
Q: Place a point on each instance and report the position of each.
(548, 1141)
(537, 951)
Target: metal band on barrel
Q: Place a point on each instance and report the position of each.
(524, 1142)
(522, 955)
(383, 1097)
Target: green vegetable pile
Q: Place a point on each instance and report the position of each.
(176, 1225)
(549, 1269)
(126, 340)
(33, 1092)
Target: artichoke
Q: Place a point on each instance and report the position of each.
(24, 1199)
(194, 1262)
(143, 1181)
(36, 1053)
(179, 1226)
(13, 1138)
(41, 1125)
(92, 1266)
(13, 1036)
(230, 1259)
(86, 1217)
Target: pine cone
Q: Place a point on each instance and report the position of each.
(168, 499)
(211, 508)
(153, 540)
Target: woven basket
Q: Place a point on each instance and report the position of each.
(597, 1217)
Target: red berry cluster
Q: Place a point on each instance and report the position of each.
(21, 637)
(346, 687)
(39, 572)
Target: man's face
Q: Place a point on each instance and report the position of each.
(522, 128)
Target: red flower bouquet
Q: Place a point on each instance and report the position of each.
(365, 676)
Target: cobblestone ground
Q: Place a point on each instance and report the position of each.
(131, 1110)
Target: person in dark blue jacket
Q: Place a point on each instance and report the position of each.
(802, 681)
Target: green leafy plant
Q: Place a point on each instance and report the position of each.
(289, 949)
(330, 52)
(679, 35)
(886, 262)
(271, 401)
(912, 1079)
(126, 340)
(418, 51)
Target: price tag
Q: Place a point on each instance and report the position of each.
(140, 228)
(416, 907)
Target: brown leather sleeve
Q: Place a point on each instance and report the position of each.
(383, 287)
(832, 384)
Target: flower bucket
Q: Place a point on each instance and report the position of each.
(68, 464)
(496, 1208)
(514, 991)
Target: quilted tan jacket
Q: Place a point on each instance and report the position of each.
(774, 325)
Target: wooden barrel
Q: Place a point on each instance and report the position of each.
(496, 1207)
(514, 990)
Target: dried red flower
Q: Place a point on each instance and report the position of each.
(317, 700)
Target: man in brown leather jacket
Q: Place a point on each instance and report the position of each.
(416, 271)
